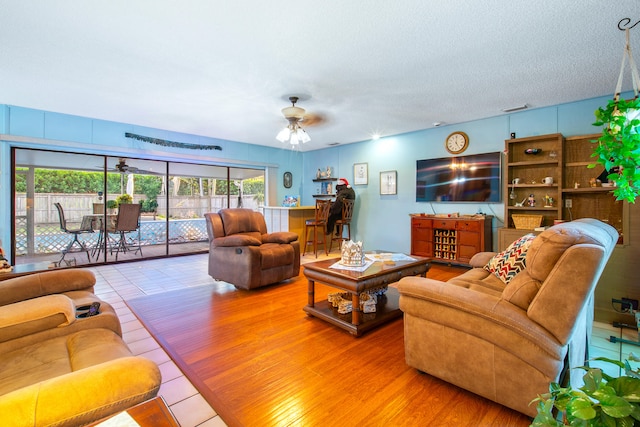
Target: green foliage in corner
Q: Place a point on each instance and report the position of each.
(603, 400)
(619, 146)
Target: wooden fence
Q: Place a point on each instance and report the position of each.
(77, 205)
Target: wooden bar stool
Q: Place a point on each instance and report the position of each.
(318, 225)
(345, 221)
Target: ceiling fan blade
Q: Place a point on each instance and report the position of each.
(313, 119)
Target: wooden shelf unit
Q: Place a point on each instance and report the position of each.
(568, 166)
(450, 240)
(531, 169)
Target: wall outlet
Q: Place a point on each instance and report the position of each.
(568, 203)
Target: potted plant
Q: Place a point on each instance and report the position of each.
(602, 401)
(618, 148)
(124, 199)
(112, 205)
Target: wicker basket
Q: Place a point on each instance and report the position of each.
(526, 222)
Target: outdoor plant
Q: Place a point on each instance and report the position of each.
(148, 205)
(618, 148)
(602, 401)
(124, 199)
(112, 204)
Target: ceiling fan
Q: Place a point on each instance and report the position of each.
(123, 167)
(297, 117)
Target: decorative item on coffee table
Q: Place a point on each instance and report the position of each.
(342, 301)
(352, 254)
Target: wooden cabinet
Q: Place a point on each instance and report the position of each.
(566, 161)
(422, 236)
(450, 240)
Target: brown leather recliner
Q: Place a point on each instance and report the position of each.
(242, 253)
(508, 342)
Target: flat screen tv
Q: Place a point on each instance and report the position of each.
(473, 178)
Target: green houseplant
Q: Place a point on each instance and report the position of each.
(112, 205)
(602, 401)
(618, 148)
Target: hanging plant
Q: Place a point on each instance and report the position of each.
(618, 148)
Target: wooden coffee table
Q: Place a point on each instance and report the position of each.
(378, 275)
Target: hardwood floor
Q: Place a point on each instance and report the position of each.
(260, 361)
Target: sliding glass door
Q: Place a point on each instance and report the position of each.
(67, 206)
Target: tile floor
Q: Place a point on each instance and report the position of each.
(120, 282)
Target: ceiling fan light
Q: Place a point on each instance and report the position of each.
(303, 135)
(294, 139)
(283, 135)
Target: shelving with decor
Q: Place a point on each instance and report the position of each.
(326, 188)
(525, 175)
(528, 162)
(451, 240)
(572, 190)
(582, 196)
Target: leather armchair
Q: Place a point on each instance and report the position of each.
(242, 253)
(72, 288)
(508, 342)
(57, 369)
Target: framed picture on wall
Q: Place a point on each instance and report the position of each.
(360, 174)
(388, 182)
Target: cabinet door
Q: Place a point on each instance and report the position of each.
(469, 243)
(421, 237)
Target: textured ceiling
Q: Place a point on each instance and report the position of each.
(225, 69)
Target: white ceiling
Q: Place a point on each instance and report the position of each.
(224, 69)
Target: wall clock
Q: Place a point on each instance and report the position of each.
(457, 142)
(287, 180)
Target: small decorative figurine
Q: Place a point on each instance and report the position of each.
(548, 201)
(532, 200)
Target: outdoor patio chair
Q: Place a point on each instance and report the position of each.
(128, 221)
(85, 227)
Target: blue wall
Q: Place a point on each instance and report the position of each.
(381, 222)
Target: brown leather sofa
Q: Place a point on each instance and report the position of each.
(508, 342)
(242, 253)
(58, 369)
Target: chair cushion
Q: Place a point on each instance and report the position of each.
(507, 264)
(276, 255)
(283, 237)
(236, 240)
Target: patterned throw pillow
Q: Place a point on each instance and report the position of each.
(506, 265)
